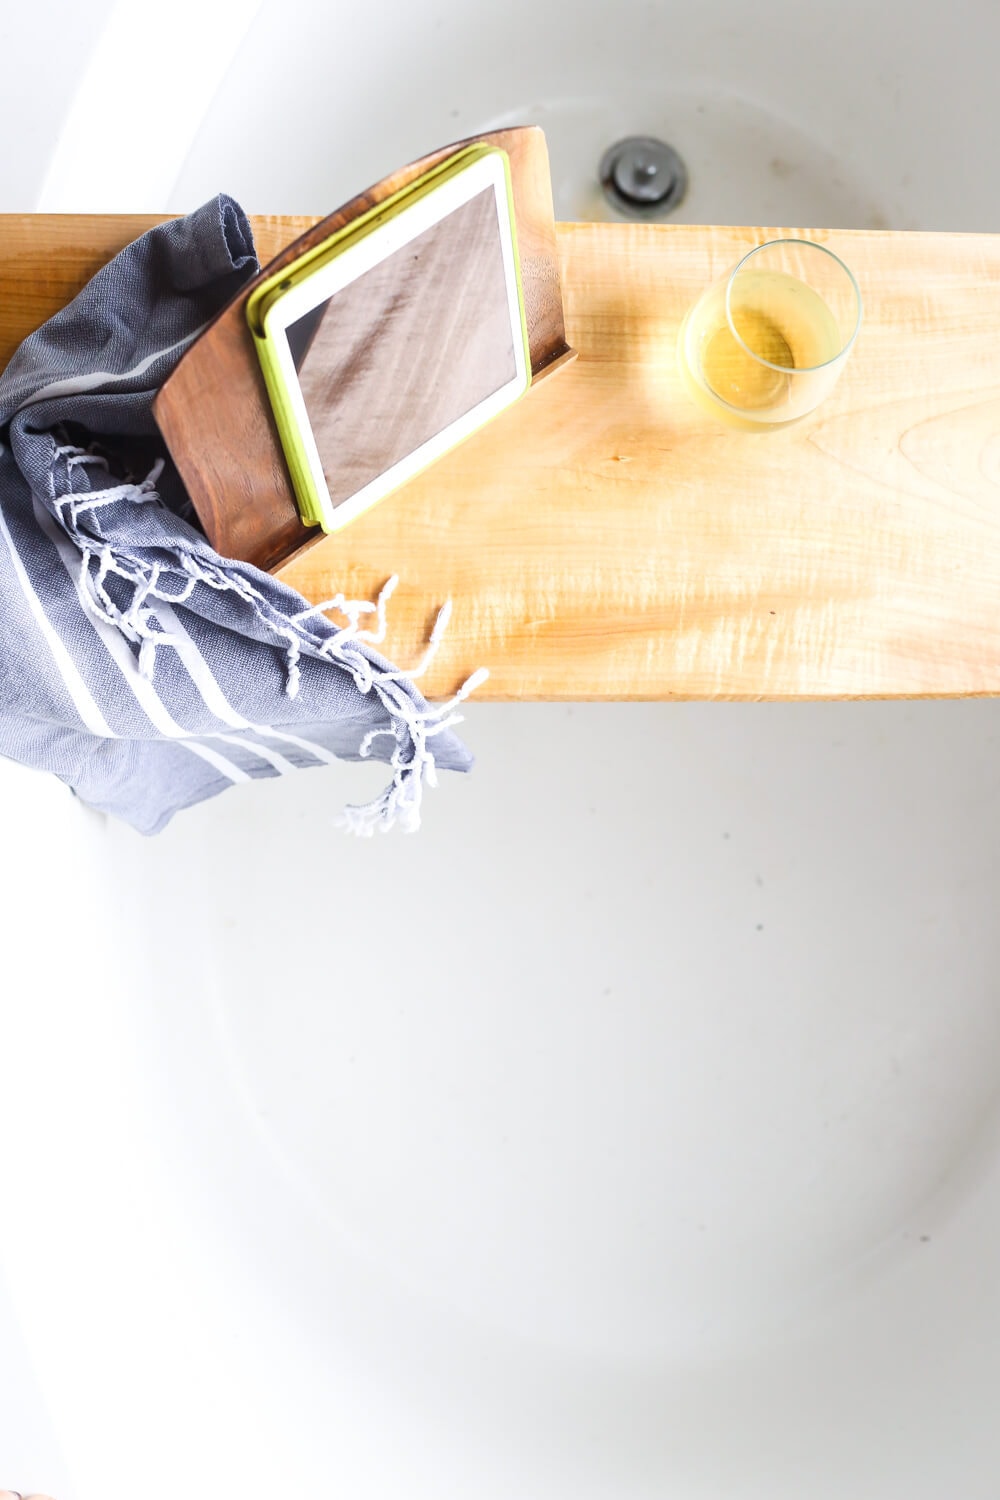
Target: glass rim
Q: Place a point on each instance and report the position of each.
(804, 369)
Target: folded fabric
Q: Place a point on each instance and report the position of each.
(136, 664)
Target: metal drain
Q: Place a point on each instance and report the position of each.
(642, 176)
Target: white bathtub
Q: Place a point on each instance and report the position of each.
(662, 1159)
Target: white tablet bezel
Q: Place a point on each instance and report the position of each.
(404, 226)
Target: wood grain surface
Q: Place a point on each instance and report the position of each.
(607, 540)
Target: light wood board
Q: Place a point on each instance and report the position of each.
(607, 540)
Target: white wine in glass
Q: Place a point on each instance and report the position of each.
(763, 346)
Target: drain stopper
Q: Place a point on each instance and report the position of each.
(642, 175)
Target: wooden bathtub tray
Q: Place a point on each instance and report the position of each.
(606, 540)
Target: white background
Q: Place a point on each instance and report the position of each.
(632, 1130)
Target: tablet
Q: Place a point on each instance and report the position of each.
(396, 338)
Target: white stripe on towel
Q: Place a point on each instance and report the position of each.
(74, 385)
(280, 764)
(215, 759)
(320, 751)
(142, 689)
(75, 685)
(215, 699)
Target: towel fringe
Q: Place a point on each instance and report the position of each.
(399, 805)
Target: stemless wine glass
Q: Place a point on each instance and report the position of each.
(765, 344)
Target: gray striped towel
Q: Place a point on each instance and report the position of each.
(136, 664)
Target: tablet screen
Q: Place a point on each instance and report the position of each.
(407, 348)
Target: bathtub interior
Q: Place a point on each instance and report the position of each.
(649, 1093)
(785, 114)
(632, 1129)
